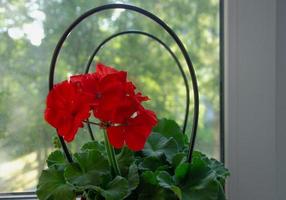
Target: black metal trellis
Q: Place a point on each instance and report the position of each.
(165, 46)
(163, 25)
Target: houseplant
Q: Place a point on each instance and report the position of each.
(145, 165)
(152, 158)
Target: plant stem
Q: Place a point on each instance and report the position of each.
(111, 155)
(94, 123)
(90, 130)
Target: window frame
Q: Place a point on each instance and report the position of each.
(250, 61)
(18, 195)
(221, 81)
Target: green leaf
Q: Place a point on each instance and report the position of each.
(57, 159)
(156, 193)
(221, 172)
(204, 179)
(133, 177)
(149, 188)
(150, 177)
(157, 146)
(177, 191)
(117, 189)
(153, 164)
(52, 186)
(165, 180)
(125, 158)
(208, 188)
(181, 171)
(169, 128)
(94, 145)
(178, 159)
(90, 168)
(199, 166)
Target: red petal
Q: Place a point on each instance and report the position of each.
(116, 136)
(88, 83)
(141, 98)
(130, 88)
(136, 137)
(103, 70)
(71, 134)
(116, 78)
(150, 117)
(66, 108)
(139, 129)
(124, 109)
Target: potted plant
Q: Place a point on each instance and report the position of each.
(141, 157)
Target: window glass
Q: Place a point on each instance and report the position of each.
(29, 31)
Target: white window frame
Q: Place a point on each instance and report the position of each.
(250, 99)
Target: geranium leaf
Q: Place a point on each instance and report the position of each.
(52, 185)
(117, 189)
(133, 177)
(177, 191)
(94, 145)
(90, 168)
(150, 177)
(199, 166)
(158, 145)
(125, 158)
(221, 172)
(57, 159)
(208, 188)
(165, 180)
(154, 143)
(153, 187)
(156, 193)
(152, 163)
(178, 159)
(170, 149)
(169, 128)
(204, 179)
(181, 171)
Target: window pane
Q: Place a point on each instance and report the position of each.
(29, 31)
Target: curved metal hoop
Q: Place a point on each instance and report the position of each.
(161, 24)
(135, 32)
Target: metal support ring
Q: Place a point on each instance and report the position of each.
(96, 50)
(161, 24)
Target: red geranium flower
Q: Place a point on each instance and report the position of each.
(113, 101)
(106, 91)
(117, 105)
(134, 132)
(124, 101)
(66, 109)
(113, 98)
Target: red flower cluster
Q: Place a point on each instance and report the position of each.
(113, 101)
(66, 109)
